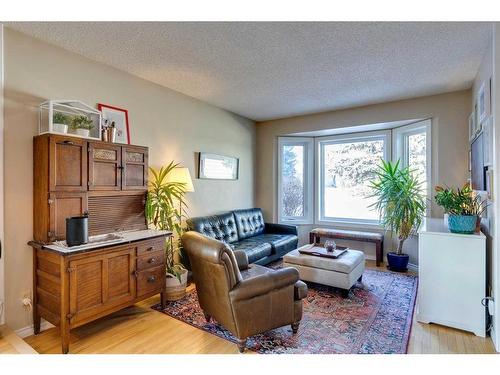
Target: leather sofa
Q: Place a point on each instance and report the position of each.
(246, 230)
(245, 299)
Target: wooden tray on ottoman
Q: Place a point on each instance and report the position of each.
(322, 252)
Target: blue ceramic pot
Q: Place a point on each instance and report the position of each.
(398, 263)
(465, 224)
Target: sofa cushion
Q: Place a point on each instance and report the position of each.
(280, 243)
(254, 247)
(249, 222)
(221, 227)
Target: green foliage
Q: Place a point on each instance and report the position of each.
(165, 212)
(60, 118)
(81, 122)
(460, 201)
(399, 200)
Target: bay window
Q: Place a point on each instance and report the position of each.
(326, 179)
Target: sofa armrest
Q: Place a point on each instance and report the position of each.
(263, 284)
(280, 228)
(241, 259)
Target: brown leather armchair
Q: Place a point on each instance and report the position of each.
(245, 299)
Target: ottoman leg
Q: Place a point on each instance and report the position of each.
(345, 293)
(242, 344)
(295, 327)
(360, 278)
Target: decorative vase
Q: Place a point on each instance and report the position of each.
(60, 128)
(398, 262)
(464, 224)
(175, 290)
(83, 132)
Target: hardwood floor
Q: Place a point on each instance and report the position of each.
(10, 343)
(139, 329)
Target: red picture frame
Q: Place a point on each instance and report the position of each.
(101, 107)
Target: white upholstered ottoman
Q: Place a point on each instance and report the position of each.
(342, 272)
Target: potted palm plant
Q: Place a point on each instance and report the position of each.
(401, 205)
(163, 213)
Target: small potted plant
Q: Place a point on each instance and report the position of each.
(163, 213)
(464, 208)
(445, 198)
(60, 122)
(81, 125)
(401, 205)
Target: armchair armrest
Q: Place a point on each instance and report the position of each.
(241, 259)
(263, 284)
(280, 228)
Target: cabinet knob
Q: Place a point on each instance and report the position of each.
(151, 279)
(68, 142)
(152, 260)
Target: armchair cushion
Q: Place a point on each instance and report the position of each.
(263, 284)
(241, 259)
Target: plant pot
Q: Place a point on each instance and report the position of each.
(445, 218)
(60, 128)
(398, 263)
(464, 224)
(83, 132)
(175, 290)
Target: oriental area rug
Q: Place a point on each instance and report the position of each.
(376, 318)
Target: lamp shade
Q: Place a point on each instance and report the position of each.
(181, 175)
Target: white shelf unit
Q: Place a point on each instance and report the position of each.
(452, 278)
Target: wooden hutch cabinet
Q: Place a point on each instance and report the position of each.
(107, 182)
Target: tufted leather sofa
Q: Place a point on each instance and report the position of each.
(246, 230)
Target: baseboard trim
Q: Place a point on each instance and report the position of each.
(28, 331)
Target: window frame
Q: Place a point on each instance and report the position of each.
(400, 150)
(320, 142)
(308, 170)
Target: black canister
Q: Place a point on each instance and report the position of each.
(77, 230)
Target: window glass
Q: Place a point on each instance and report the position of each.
(417, 157)
(347, 169)
(292, 181)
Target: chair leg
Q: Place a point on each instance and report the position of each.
(360, 278)
(295, 327)
(242, 344)
(208, 318)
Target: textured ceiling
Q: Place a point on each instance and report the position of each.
(267, 70)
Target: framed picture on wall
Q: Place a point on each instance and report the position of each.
(217, 167)
(117, 117)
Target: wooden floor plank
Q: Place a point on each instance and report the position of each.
(139, 329)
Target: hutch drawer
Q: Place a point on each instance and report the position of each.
(150, 260)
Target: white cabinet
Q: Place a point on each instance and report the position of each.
(452, 278)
